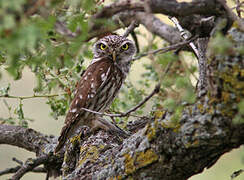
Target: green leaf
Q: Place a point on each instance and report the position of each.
(4, 91)
(167, 57)
(88, 5)
(20, 112)
(169, 104)
(220, 44)
(8, 22)
(182, 82)
(241, 107)
(58, 106)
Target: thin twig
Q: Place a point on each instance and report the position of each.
(61, 28)
(29, 166)
(30, 97)
(18, 161)
(131, 27)
(127, 113)
(155, 91)
(236, 173)
(238, 7)
(102, 114)
(184, 35)
(165, 49)
(232, 15)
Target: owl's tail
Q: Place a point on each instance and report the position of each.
(110, 127)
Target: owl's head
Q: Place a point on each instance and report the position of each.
(117, 48)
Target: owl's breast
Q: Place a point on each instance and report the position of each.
(108, 90)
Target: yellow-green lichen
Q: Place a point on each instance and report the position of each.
(159, 114)
(116, 178)
(74, 140)
(225, 96)
(175, 126)
(89, 152)
(201, 108)
(145, 158)
(129, 164)
(192, 144)
(150, 132)
(139, 160)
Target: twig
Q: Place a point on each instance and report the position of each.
(134, 37)
(18, 161)
(127, 113)
(30, 97)
(184, 35)
(61, 28)
(15, 169)
(232, 15)
(238, 7)
(155, 91)
(236, 173)
(131, 27)
(165, 49)
(29, 166)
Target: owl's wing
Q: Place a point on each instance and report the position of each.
(92, 81)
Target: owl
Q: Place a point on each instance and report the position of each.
(98, 86)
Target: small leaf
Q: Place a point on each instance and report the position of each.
(241, 107)
(5, 91)
(170, 104)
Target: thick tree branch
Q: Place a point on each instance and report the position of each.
(167, 7)
(157, 27)
(33, 141)
(28, 139)
(152, 23)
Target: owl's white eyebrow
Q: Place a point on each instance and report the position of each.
(103, 42)
(126, 42)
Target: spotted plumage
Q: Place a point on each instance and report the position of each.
(98, 86)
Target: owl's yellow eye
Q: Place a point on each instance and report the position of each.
(103, 46)
(125, 47)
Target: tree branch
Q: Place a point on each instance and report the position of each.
(184, 35)
(167, 7)
(127, 113)
(28, 139)
(29, 165)
(15, 169)
(232, 15)
(132, 26)
(165, 49)
(31, 97)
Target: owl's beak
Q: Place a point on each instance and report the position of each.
(114, 56)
